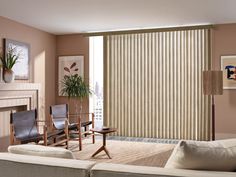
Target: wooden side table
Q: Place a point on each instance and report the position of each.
(104, 132)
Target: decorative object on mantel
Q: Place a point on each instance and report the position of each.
(228, 66)
(213, 85)
(21, 67)
(8, 61)
(71, 82)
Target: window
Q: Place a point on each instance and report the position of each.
(96, 78)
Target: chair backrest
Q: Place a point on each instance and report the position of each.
(59, 114)
(24, 123)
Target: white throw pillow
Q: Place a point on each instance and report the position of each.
(200, 155)
(38, 150)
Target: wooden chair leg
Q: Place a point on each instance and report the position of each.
(11, 134)
(93, 135)
(85, 129)
(67, 134)
(80, 134)
(45, 135)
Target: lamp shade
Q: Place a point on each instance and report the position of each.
(212, 82)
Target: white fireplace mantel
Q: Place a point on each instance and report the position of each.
(19, 86)
(17, 94)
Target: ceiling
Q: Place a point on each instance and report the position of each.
(76, 16)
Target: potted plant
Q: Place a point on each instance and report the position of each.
(74, 86)
(8, 62)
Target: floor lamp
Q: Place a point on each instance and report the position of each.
(213, 85)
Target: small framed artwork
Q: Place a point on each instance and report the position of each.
(69, 65)
(21, 68)
(228, 66)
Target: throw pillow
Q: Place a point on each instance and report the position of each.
(198, 155)
(38, 150)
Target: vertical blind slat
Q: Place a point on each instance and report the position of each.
(153, 84)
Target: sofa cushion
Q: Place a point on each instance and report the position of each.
(118, 170)
(12, 165)
(38, 150)
(215, 155)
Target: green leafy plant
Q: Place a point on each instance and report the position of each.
(10, 59)
(74, 86)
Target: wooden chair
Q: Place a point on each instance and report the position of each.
(24, 128)
(60, 113)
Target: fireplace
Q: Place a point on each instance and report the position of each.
(17, 97)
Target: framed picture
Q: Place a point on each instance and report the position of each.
(21, 68)
(228, 66)
(68, 65)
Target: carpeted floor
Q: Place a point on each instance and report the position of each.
(125, 152)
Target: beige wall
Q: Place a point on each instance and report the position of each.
(45, 49)
(42, 55)
(73, 45)
(224, 43)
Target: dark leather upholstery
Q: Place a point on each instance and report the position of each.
(25, 126)
(84, 124)
(59, 115)
(73, 126)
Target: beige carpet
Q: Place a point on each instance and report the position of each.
(125, 152)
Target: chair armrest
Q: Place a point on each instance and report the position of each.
(41, 121)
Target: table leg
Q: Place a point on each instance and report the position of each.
(99, 150)
(106, 151)
(103, 148)
(104, 139)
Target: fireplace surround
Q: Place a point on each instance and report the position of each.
(17, 97)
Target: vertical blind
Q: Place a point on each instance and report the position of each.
(153, 84)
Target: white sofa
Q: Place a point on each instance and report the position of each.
(117, 170)
(15, 165)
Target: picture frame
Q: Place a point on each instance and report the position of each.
(69, 65)
(21, 69)
(228, 66)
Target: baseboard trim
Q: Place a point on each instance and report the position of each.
(147, 140)
(220, 136)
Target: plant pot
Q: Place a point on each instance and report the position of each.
(8, 75)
